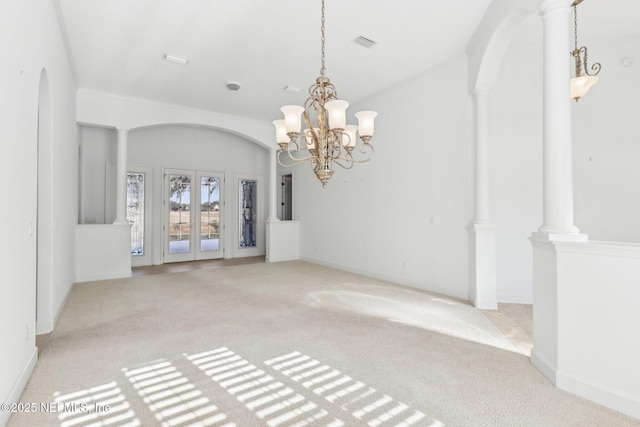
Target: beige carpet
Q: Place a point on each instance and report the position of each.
(286, 344)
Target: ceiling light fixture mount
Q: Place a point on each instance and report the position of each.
(331, 140)
(582, 82)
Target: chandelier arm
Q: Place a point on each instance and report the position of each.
(349, 158)
(595, 67)
(366, 149)
(294, 160)
(349, 164)
(370, 148)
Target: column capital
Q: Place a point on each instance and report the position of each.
(549, 6)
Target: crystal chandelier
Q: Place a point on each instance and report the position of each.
(331, 141)
(583, 81)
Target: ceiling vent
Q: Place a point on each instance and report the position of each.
(363, 41)
(292, 89)
(176, 59)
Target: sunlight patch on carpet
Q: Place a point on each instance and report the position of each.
(414, 309)
(171, 397)
(269, 399)
(363, 402)
(102, 405)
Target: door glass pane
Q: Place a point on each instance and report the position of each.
(248, 213)
(179, 213)
(209, 213)
(135, 211)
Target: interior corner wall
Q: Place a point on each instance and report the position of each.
(31, 41)
(401, 216)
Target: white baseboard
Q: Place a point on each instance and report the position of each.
(44, 327)
(119, 275)
(486, 304)
(62, 304)
(18, 387)
(395, 280)
(628, 405)
(515, 298)
(280, 259)
(544, 366)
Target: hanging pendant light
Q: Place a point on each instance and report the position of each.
(583, 80)
(331, 141)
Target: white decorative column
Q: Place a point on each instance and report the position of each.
(121, 178)
(557, 154)
(557, 188)
(482, 186)
(482, 248)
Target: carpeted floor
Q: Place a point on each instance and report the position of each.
(285, 344)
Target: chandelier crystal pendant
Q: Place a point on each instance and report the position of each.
(582, 82)
(331, 141)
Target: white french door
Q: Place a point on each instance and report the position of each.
(193, 205)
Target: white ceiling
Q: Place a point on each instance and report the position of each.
(117, 46)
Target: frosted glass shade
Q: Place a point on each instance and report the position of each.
(337, 112)
(281, 133)
(581, 85)
(311, 145)
(292, 120)
(349, 136)
(365, 122)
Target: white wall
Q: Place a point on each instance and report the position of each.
(606, 143)
(30, 40)
(99, 255)
(179, 147)
(515, 131)
(598, 358)
(403, 215)
(606, 147)
(98, 149)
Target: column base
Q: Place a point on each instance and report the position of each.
(482, 266)
(559, 237)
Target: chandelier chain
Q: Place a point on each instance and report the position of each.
(322, 68)
(575, 25)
